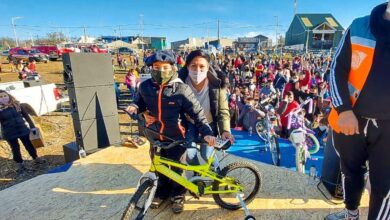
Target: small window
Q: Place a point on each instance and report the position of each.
(331, 21)
(307, 22)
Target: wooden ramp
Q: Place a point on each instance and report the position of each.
(101, 185)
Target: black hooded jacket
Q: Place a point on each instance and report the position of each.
(167, 103)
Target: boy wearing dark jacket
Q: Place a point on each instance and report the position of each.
(164, 99)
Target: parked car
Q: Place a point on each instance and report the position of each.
(52, 50)
(98, 48)
(27, 54)
(39, 99)
(5, 53)
(68, 48)
(125, 51)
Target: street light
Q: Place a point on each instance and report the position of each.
(13, 26)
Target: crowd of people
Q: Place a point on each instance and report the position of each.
(249, 79)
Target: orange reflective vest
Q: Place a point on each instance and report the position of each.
(363, 45)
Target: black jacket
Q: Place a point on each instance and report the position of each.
(219, 105)
(374, 99)
(167, 104)
(12, 124)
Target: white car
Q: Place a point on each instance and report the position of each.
(38, 99)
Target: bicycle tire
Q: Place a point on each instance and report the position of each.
(316, 145)
(131, 207)
(300, 159)
(275, 151)
(225, 171)
(261, 133)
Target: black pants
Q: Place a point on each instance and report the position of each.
(354, 151)
(167, 187)
(16, 148)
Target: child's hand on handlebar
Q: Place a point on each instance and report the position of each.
(211, 141)
(131, 110)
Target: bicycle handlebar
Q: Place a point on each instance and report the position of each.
(173, 143)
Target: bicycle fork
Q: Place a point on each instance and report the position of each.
(152, 176)
(246, 210)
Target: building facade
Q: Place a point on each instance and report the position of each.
(156, 43)
(314, 32)
(256, 43)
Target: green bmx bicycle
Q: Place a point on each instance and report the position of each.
(232, 188)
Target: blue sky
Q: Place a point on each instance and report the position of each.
(171, 18)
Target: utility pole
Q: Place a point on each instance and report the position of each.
(218, 30)
(276, 32)
(142, 30)
(307, 40)
(295, 6)
(13, 26)
(85, 34)
(31, 38)
(208, 42)
(120, 34)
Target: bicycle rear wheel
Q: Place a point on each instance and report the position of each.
(136, 207)
(275, 150)
(245, 174)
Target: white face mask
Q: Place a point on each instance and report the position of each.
(197, 77)
(4, 100)
(323, 128)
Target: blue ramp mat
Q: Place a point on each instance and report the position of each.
(252, 147)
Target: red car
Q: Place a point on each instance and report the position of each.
(27, 54)
(98, 49)
(53, 51)
(68, 48)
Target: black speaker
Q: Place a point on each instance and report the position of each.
(87, 69)
(90, 83)
(91, 102)
(331, 174)
(98, 132)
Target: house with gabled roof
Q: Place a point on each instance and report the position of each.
(314, 32)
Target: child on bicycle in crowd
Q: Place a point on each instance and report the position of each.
(164, 99)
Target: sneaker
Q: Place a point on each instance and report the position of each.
(39, 160)
(178, 204)
(345, 214)
(156, 203)
(21, 168)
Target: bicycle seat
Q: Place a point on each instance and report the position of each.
(167, 144)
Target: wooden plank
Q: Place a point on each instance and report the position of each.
(101, 185)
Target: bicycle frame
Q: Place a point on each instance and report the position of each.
(161, 165)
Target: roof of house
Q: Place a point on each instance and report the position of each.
(311, 21)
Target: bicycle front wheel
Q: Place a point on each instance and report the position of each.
(244, 174)
(275, 150)
(136, 208)
(313, 145)
(261, 130)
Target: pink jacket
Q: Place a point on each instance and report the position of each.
(131, 80)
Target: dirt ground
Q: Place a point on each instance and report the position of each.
(57, 128)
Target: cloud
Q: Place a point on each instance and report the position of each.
(212, 8)
(252, 34)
